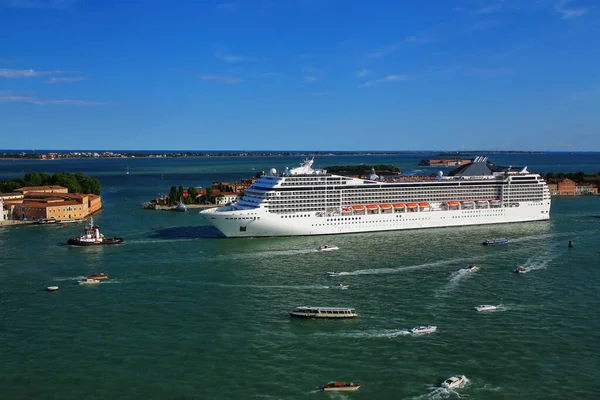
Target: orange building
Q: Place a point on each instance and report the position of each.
(43, 189)
(566, 187)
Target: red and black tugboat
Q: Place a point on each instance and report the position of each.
(93, 237)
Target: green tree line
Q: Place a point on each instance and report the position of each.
(574, 176)
(76, 183)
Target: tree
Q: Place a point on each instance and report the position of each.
(67, 180)
(210, 194)
(173, 195)
(192, 193)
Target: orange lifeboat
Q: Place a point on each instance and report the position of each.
(358, 207)
(411, 205)
(385, 206)
(98, 276)
(372, 206)
(423, 204)
(453, 203)
(399, 205)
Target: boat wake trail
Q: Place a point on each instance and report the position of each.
(395, 270)
(70, 278)
(541, 260)
(275, 253)
(387, 333)
(438, 393)
(250, 286)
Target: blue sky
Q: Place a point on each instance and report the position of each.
(300, 74)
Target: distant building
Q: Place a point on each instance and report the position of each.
(568, 187)
(49, 202)
(227, 197)
(444, 162)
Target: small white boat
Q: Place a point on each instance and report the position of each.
(327, 248)
(421, 330)
(520, 270)
(454, 381)
(341, 387)
(472, 267)
(52, 288)
(334, 273)
(88, 281)
(338, 286)
(486, 307)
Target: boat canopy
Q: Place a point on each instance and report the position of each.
(423, 204)
(399, 205)
(358, 207)
(372, 206)
(411, 205)
(385, 206)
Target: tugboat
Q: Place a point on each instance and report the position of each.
(93, 237)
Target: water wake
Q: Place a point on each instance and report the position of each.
(437, 392)
(372, 334)
(69, 278)
(541, 260)
(395, 270)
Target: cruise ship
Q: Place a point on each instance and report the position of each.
(307, 201)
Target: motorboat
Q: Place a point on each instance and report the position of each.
(92, 237)
(52, 288)
(98, 276)
(44, 221)
(180, 207)
(520, 270)
(327, 248)
(334, 273)
(341, 387)
(421, 330)
(495, 242)
(323, 312)
(472, 267)
(454, 381)
(338, 286)
(486, 307)
(88, 281)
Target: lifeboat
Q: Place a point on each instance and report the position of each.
(358, 207)
(372, 206)
(385, 206)
(400, 205)
(411, 205)
(423, 204)
(453, 203)
(98, 276)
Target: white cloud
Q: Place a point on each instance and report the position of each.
(230, 58)
(392, 78)
(310, 79)
(54, 79)
(24, 73)
(366, 84)
(567, 13)
(33, 100)
(383, 51)
(221, 78)
(363, 73)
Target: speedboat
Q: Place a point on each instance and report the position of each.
(334, 273)
(341, 387)
(327, 248)
(486, 307)
(520, 269)
(472, 267)
(338, 286)
(93, 237)
(180, 207)
(52, 288)
(98, 276)
(88, 281)
(421, 330)
(495, 242)
(454, 381)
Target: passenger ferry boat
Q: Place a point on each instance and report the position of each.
(307, 201)
(324, 312)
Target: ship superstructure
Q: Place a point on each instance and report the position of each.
(307, 201)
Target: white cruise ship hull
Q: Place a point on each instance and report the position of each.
(257, 222)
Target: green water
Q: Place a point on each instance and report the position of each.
(186, 315)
